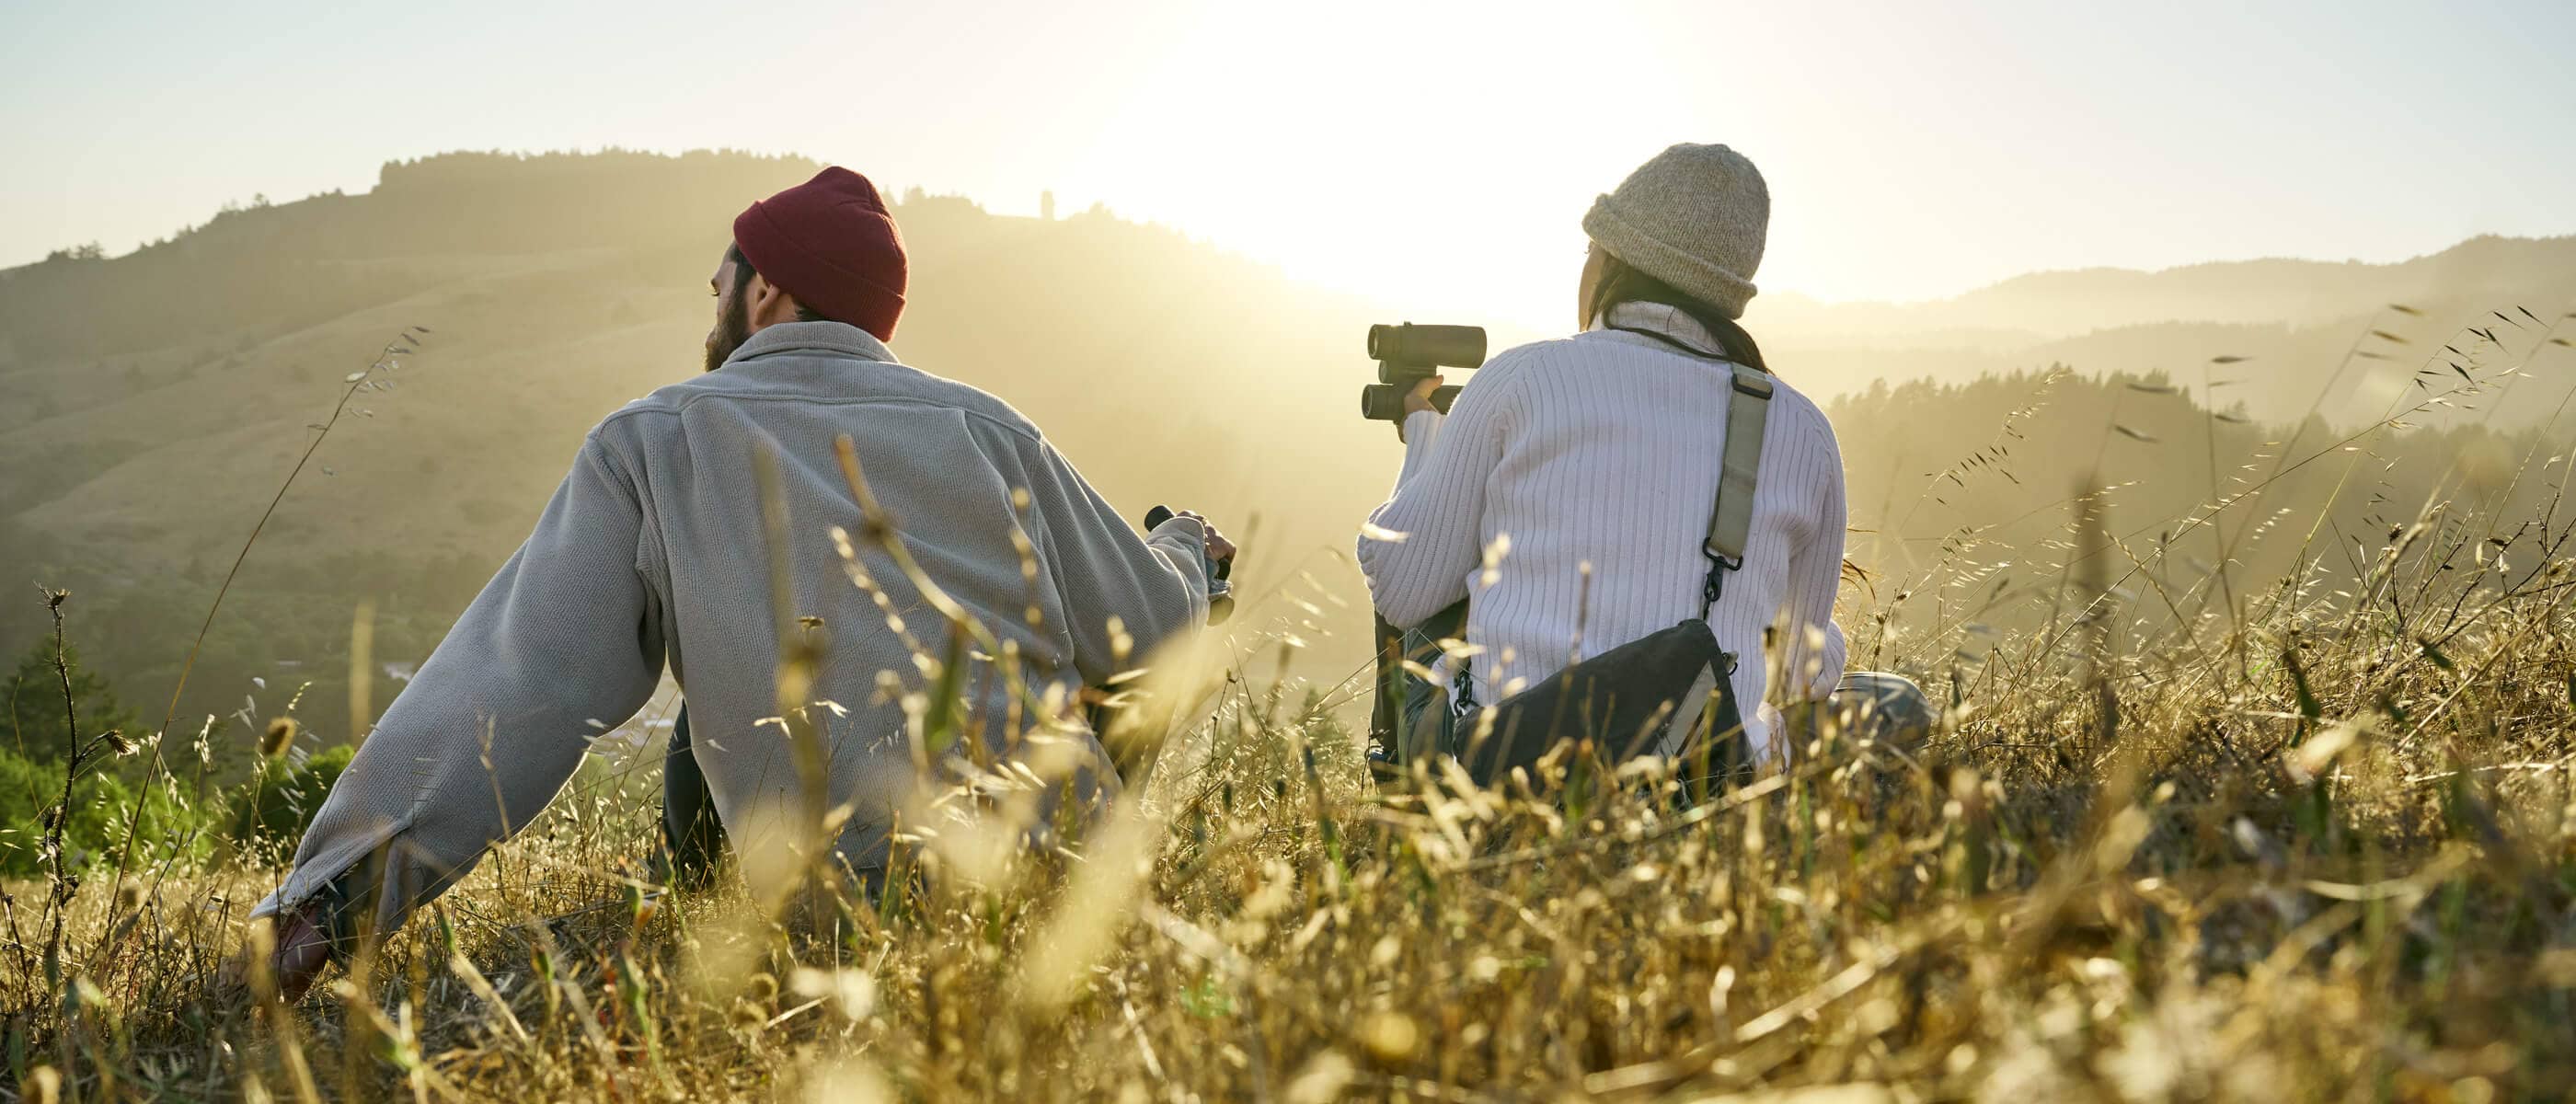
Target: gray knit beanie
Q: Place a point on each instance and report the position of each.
(1693, 217)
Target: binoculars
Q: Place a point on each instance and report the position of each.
(1406, 355)
(1220, 588)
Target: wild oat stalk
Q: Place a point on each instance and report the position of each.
(61, 883)
(356, 381)
(404, 343)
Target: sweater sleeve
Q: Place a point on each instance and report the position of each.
(566, 638)
(1421, 543)
(1155, 586)
(1813, 656)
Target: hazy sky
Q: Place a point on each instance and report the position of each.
(1433, 154)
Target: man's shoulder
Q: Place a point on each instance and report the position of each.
(896, 382)
(940, 390)
(642, 417)
(812, 380)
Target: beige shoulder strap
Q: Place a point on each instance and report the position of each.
(1730, 524)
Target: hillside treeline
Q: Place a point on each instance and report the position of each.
(1965, 496)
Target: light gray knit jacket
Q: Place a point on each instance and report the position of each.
(652, 550)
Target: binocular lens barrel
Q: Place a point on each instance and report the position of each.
(1405, 354)
(1385, 402)
(1438, 346)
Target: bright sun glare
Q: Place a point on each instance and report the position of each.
(1387, 152)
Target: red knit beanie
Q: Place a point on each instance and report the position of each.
(830, 243)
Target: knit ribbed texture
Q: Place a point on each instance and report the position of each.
(1694, 217)
(1604, 449)
(653, 547)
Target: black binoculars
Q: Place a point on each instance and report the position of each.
(1220, 589)
(1407, 354)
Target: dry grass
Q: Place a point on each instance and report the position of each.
(2240, 888)
(2313, 843)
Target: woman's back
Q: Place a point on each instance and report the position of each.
(1604, 449)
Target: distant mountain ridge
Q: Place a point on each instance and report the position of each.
(2535, 272)
(2284, 329)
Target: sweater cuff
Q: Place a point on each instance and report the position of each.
(1182, 528)
(1187, 537)
(1419, 429)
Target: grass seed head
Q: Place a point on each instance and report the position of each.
(279, 737)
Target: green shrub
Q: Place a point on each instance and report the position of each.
(28, 788)
(274, 808)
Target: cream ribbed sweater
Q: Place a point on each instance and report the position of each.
(1603, 449)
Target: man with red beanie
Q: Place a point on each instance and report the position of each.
(658, 547)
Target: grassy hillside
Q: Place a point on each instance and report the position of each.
(1961, 493)
(161, 396)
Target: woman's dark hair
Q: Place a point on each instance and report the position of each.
(1621, 283)
(742, 274)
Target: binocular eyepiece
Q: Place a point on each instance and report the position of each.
(1406, 354)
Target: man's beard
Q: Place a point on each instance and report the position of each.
(733, 327)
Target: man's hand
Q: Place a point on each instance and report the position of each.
(1219, 549)
(303, 950)
(285, 952)
(1419, 399)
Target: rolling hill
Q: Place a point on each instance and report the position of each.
(155, 399)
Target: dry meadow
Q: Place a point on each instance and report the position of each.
(2176, 837)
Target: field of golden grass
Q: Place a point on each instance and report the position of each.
(2170, 840)
(2319, 848)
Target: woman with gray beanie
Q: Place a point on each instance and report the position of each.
(1567, 494)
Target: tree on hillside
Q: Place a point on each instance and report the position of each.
(33, 699)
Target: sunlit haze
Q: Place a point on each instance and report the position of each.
(1430, 154)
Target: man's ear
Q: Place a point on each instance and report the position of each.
(767, 304)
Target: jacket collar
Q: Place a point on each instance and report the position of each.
(1658, 318)
(813, 337)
